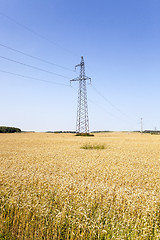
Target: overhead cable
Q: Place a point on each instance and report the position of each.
(108, 101)
(34, 67)
(98, 105)
(35, 33)
(33, 78)
(37, 58)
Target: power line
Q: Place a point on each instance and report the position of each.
(56, 83)
(37, 79)
(34, 67)
(43, 37)
(100, 106)
(108, 101)
(37, 58)
(133, 119)
(35, 33)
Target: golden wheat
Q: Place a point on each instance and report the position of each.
(52, 188)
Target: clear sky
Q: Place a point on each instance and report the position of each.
(120, 42)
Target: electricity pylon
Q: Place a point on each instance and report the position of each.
(141, 125)
(82, 124)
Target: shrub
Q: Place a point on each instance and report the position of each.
(85, 134)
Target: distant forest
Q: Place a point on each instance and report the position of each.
(9, 129)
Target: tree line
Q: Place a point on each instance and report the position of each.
(9, 129)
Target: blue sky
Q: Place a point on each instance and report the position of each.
(120, 42)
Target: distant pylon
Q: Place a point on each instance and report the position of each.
(141, 125)
(82, 124)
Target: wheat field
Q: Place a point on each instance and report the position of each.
(53, 187)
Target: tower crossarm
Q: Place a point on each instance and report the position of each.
(78, 79)
(73, 80)
(87, 78)
(78, 65)
(81, 64)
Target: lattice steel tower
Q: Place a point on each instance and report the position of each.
(82, 124)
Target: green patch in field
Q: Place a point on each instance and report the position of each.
(89, 146)
(85, 134)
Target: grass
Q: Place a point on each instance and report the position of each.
(51, 189)
(88, 146)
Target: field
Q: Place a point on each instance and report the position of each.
(54, 187)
